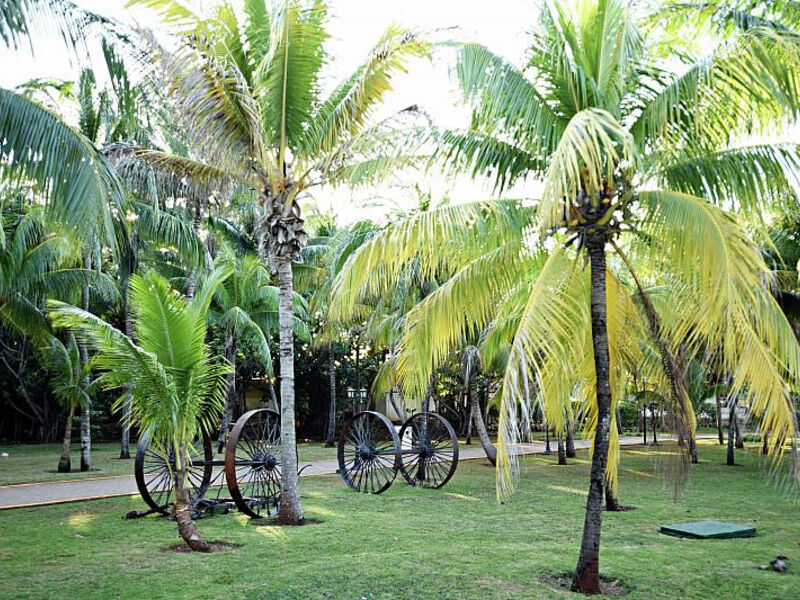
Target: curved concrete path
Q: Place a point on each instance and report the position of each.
(56, 492)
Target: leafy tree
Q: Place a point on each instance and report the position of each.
(637, 158)
(250, 93)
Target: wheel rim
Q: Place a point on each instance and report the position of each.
(430, 450)
(368, 453)
(253, 463)
(153, 472)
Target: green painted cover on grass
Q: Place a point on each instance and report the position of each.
(701, 530)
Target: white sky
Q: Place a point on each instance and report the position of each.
(355, 25)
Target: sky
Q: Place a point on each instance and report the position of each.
(355, 26)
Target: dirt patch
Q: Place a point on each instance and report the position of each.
(273, 522)
(623, 508)
(608, 587)
(216, 546)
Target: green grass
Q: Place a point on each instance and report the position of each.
(414, 543)
(30, 463)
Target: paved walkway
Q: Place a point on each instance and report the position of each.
(57, 492)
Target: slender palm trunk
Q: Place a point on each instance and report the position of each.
(731, 458)
(765, 443)
(183, 508)
(332, 408)
(227, 416)
(65, 462)
(738, 429)
(562, 451)
(469, 424)
(612, 503)
(719, 421)
(587, 572)
(480, 425)
(547, 450)
(125, 440)
(644, 424)
(693, 447)
(653, 423)
(570, 439)
(86, 426)
(619, 420)
(290, 510)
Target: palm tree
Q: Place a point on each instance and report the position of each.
(176, 389)
(470, 364)
(636, 158)
(70, 378)
(245, 306)
(249, 92)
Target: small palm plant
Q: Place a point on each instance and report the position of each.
(71, 384)
(177, 391)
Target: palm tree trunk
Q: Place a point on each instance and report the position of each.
(765, 444)
(653, 423)
(547, 450)
(290, 510)
(693, 447)
(644, 423)
(230, 398)
(719, 421)
(480, 425)
(731, 458)
(65, 462)
(86, 429)
(183, 508)
(329, 442)
(570, 439)
(125, 440)
(562, 451)
(612, 504)
(738, 429)
(587, 572)
(469, 424)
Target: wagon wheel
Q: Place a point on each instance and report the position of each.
(430, 450)
(253, 463)
(369, 452)
(154, 467)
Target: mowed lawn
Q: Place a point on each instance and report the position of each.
(414, 543)
(31, 463)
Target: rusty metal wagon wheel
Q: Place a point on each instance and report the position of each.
(429, 450)
(154, 472)
(253, 463)
(369, 452)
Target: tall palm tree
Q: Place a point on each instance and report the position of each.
(250, 93)
(637, 158)
(176, 389)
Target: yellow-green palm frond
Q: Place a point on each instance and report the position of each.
(445, 320)
(590, 150)
(504, 99)
(748, 178)
(347, 110)
(554, 316)
(745, 86)
(436, 241)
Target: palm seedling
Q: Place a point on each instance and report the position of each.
(175, 388)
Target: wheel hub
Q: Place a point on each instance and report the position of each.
(365, 452)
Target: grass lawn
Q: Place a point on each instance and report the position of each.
(413, 543)
(29, 463)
